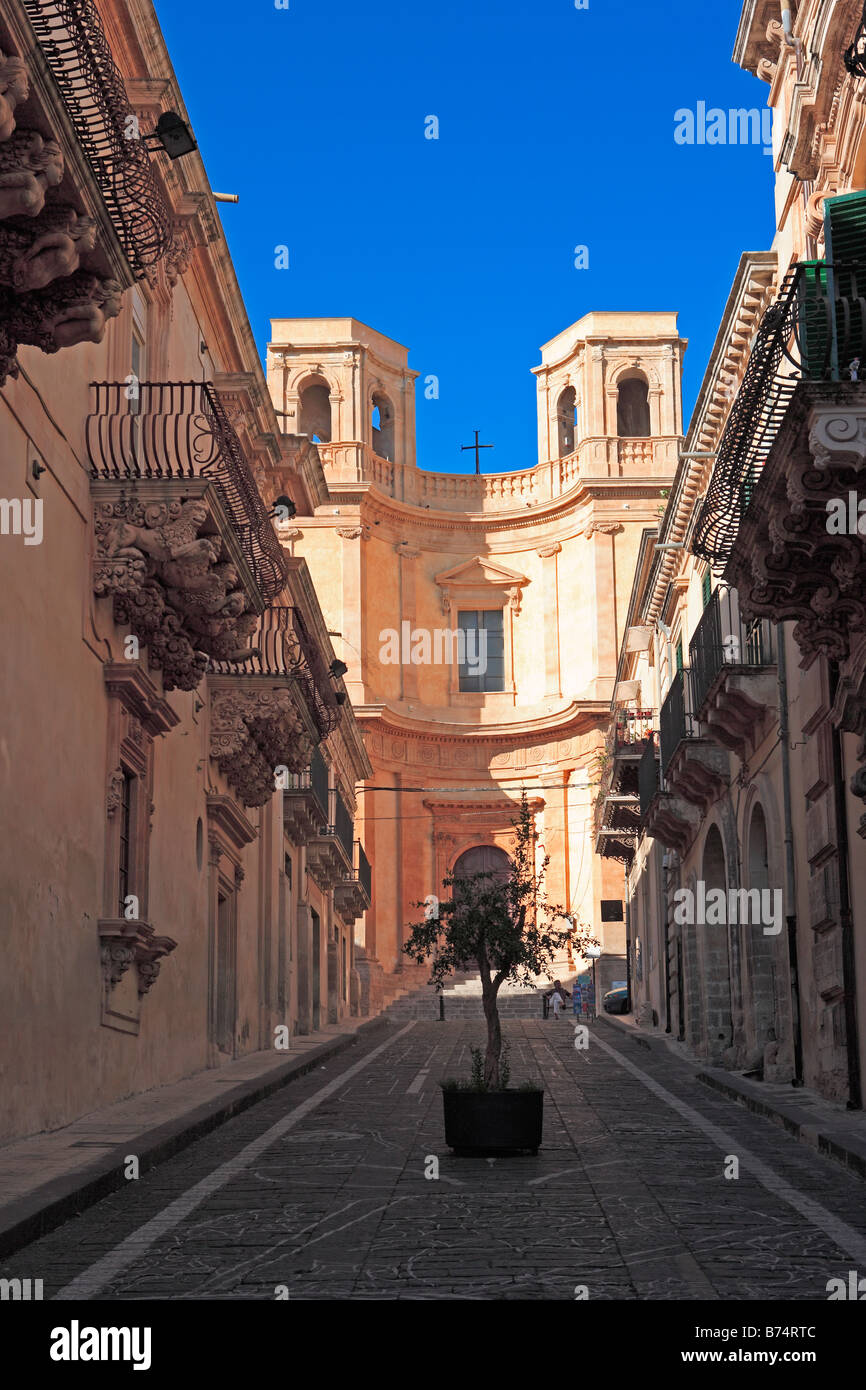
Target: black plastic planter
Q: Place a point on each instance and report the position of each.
(493, 1122)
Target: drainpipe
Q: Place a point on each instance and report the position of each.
(849, 978)
(790, 876)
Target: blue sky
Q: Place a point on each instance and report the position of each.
(555, 130)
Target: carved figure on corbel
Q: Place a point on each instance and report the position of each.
(72, 310)
(36, 250)
(116, 958)
(29, 166)
(14, 90)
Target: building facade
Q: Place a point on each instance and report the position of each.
(179, 864)
(479, 614)
(741, 823)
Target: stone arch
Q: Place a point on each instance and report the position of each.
(315, 414)
(692, 980)
(633, 405)
(482, 859)
(566, 420)
(766, 979)
(714, 949)
(382, 423)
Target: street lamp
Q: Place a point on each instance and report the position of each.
(592, 953)
(173, 135)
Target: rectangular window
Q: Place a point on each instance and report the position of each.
(124, 859)
(706, 586)
(482, 667)
(611, 910)
(679, 655)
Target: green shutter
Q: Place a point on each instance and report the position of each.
(815, 322)
(845, 245)
(706, 587)
(679, 655)
(845, 228)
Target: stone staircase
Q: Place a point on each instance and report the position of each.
(462, 996)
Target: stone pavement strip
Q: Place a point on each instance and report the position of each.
(321, 1190)
(48, 1177)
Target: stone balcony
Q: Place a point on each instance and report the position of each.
(694, 769)
(733, 673)
(81, 214)
(184, 546)
(305, 801)
(617, 812)
(330, 853)
(269, 712)
(353, 894)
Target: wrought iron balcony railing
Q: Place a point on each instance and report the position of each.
(174, 429)
(632, 727)
(281, 646)
(314, 779)
(342, 825)
(363, 870)
(72, 40)
(854, 57)
(813, 331)
(721, 639)
(648, 776)
(675, 718)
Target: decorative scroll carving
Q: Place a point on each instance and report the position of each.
(604, 528)
(788, 563)
(125, 943)
(170, 586)
(115, 792)
(253, 732)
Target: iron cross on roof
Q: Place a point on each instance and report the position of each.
(477, 447)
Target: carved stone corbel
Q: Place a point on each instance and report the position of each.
(29, 166)
(253, 731)
(14, 90)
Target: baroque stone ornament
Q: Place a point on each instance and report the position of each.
(74, 309)
(14, 89)
(115, 791)
(36, 250)
(253, 732)
(29, 166)
(170, 586)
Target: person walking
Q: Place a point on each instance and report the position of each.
(558, 996)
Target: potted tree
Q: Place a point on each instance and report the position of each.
(502, 922)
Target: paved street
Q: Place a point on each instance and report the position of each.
(321, 1189)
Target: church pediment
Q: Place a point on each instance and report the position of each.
(480, 580)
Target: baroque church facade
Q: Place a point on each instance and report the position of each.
(479, 615)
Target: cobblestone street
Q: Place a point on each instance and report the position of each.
(321, 1189)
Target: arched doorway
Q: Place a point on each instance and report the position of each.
(482, 859)
(761, 956)
(713, 938)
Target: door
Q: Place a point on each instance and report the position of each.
(317, 969)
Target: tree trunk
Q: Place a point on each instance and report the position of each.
(494, 1033)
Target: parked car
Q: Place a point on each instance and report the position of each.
(615, 1001)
